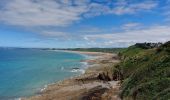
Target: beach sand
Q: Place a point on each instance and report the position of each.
(87, 86)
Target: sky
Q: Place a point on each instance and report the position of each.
(83, 23)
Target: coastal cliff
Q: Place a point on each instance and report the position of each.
(144, 72)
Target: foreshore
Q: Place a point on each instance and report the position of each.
(95, 84)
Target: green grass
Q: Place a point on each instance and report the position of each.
(145, 73)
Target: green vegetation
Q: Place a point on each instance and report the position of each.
(145, 72)
(106, 50)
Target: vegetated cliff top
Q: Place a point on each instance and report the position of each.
(145, 71)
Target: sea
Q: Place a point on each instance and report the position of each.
(25, 72)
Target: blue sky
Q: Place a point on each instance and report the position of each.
(83, 23)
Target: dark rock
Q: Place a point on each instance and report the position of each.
(104, 77)
(76, 68)
(94, 93)
(101, 76)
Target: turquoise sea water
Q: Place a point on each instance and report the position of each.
(24, 72)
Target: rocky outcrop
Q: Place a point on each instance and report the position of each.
(104, 76)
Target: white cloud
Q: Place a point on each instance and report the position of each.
(151, 34)
(130, 26)
(62, 12)
(40, 13)
(134, 8)
(120, 8)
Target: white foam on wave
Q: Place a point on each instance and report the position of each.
(82, 71)
(17, 99)
(84, 63)
(43, 88)
(78, 70)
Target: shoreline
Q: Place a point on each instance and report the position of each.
(91, 55)
(75, 83)
(84, 64)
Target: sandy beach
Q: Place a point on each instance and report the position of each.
(95, 84)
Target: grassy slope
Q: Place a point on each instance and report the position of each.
(145, 73)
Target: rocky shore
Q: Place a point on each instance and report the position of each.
(95, 84)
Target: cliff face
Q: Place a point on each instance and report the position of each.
(145, 72)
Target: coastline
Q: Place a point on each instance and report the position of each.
(77, 87)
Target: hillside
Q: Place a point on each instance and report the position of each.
(144, 72)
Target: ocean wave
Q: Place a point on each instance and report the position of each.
(17, 99)
(84, 63)
(78, 70)
(43, 88)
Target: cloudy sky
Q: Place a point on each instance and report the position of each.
(83, 23)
